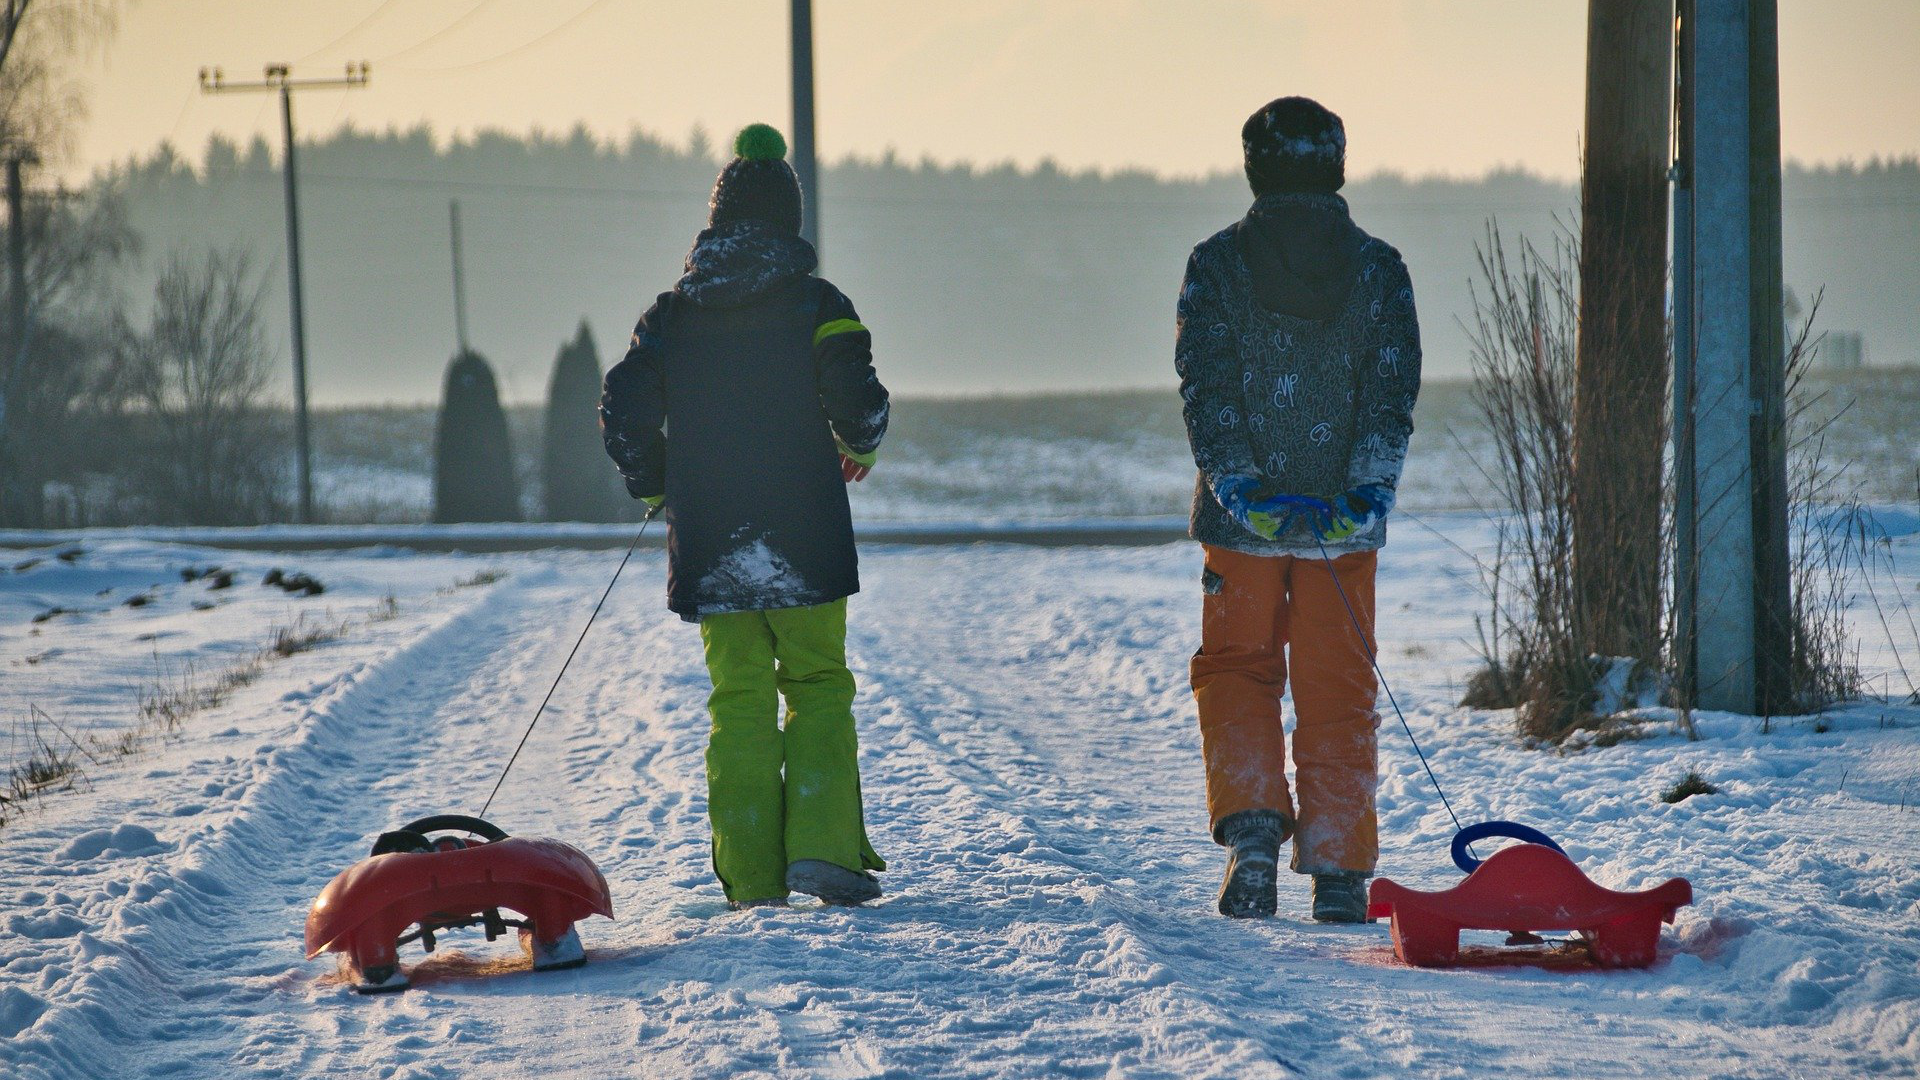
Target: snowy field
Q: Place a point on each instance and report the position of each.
(1114, 454)
(1032, 772)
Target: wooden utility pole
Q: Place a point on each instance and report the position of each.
(279, 79)
(1732, 579)
(804, 162)
(19, 505)
(1620, 398)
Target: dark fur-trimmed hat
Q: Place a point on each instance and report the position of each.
(1294, 144)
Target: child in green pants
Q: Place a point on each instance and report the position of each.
(746, 404)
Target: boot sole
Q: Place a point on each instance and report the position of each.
(1250, 892)
(832, 884)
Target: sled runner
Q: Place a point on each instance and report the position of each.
(415, 878)
(1523, 889)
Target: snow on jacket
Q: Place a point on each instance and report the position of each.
(753, 367)
(1298, 352)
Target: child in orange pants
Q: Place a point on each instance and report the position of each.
(1299, 359)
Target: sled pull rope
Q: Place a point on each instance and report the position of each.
(1374, 659)
(648, 520)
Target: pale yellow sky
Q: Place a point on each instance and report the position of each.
(1425, 86)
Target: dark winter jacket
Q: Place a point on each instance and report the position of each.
(752, 367)
(1299, 359)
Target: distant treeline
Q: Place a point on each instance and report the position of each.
(974, 278)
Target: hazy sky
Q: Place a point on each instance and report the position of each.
(1448, 86)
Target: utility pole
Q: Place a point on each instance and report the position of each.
(804, 162)
(1773, 566)
(1733, 577)
(279, 78)
(19, 506)
(1621, 368)
(459, 278)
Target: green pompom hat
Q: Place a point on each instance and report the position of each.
(758, 184)
(760, 142)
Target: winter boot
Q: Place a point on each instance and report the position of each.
(1340, 896)
(1253, 839)
(833, 884)
(768, 901)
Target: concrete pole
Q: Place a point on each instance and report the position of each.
(1773, 565)
(1686, 565)
(1723, 404)
(803, 150)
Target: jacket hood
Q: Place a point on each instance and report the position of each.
(1303, 251)
(734, 263)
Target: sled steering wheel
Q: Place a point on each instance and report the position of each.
(1464, 859)
(415, 835)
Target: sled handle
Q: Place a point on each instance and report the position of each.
(413, 835)
(1513, 830)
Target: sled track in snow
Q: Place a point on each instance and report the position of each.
(1032, 775)
(210, 956)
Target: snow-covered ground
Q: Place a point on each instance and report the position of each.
(1031, 768)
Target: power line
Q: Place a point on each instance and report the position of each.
(356, 28)
(441, 33)
(516, 50)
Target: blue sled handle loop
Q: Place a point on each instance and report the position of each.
(1511, 829)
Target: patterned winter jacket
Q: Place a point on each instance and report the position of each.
(1312, 400)
(729, 402)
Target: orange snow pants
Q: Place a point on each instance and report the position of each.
(1259, 609)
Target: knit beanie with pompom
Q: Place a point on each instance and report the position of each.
(758, 184)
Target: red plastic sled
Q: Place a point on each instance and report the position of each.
(439, 883)
(1524, 889)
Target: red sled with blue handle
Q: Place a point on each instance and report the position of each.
(426, 877)
(1525, 889)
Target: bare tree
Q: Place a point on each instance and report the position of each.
(40, 109)
(40, 99)
(206, 446)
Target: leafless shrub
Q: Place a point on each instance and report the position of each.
(1829, 529)
(1526, 316)
(195, 380)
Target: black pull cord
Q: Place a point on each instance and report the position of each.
(569, 660)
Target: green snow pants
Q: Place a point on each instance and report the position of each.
(762, 819)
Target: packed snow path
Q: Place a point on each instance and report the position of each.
(1032, 775)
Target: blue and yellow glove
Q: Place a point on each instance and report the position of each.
(1266, 513)
(1354, 511)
